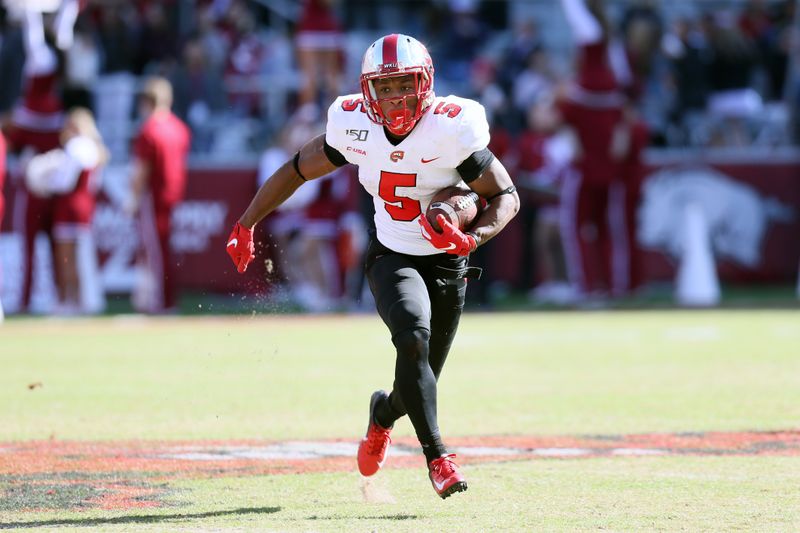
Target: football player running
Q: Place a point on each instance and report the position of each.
(408, 144)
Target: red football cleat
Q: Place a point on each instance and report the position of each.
(372, 448)
(445, 476)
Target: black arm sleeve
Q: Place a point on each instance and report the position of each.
(334, 155)
(473, 166)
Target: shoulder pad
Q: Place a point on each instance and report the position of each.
(345, 115)
(465, 120)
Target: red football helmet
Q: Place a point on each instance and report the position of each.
(397, 55)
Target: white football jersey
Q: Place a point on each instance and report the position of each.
(402, 179)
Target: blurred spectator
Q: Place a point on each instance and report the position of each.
(320, 46)
(198, 91)
(641, 29)
(69, 176)
(334, 241)
(501, 144)
(755, 21)
(732, 102)
(485, 89)
(2, 207)
(317, 231)
(159, 40)
(119, 30)
(525, 40)
(534, 82)
(687, 51)
(12, 58)
(756, 24)
(158, 183)
(36, 120)
(592, 196)
(546, 152)
(285, 225)
(82, 68)
(119, 33)
(463, 36)
(779, 45)
(245, 62)
(362, 15)
(34, 128)
(215, 45)
(2, 175)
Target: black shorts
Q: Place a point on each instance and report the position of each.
(417, 291)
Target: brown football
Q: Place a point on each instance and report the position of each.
(460, 206)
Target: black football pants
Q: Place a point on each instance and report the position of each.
(420, 298)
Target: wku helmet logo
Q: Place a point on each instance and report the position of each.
(397, 155)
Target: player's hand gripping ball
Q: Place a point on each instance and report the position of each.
(460, 207)
(452, 211)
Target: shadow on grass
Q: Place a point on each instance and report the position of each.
(136, 519)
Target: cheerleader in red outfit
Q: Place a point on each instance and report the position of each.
(320, 45)
(592, 199)
(36, 122)
(69, 177)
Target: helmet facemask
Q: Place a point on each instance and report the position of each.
(411, 58)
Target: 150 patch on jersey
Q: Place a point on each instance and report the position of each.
(358, 135)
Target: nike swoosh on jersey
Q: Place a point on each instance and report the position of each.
(429, 160)
(232, 242)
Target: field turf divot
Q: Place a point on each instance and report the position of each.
(50, 475)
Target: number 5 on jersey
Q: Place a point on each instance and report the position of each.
(408, 208)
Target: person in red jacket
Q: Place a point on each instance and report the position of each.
(158, 182)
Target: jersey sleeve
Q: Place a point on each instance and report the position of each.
(339, 121)
(472, 133)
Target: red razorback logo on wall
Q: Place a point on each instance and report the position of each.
(397, 155)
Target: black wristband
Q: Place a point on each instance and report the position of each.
(475, 236)
(295, 162)
(508, 190)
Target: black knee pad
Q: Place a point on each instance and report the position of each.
(412, 343)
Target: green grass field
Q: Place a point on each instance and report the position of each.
(279, 378)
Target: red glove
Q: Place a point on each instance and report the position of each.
(451, 239)
(240, 247)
